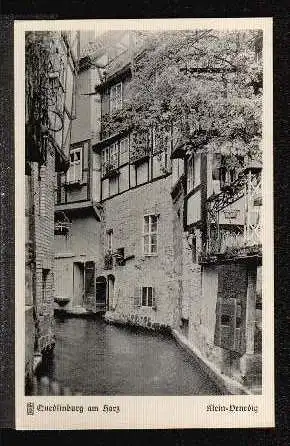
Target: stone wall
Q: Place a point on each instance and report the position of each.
(82, 244)
(124, 216)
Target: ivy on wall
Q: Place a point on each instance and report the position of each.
(206, 84)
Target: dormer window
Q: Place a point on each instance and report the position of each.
(116, 97)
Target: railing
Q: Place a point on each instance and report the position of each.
(225, 241)
(233, 240)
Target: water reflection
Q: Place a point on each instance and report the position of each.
(95, 358)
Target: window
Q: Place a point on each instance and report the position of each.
(124, 151)
(190, 173)
(148, 297)
(116, 97)
(150, 235)
(110, 155)
(193, 171)
(105, 159)
(75, 169)
(177, 169)
(114, 155)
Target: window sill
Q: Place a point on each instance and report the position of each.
(151, 255)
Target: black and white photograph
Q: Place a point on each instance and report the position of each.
(144, 216)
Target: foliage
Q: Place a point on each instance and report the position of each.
(117, 122)
(37, 67)
(207, 84)
(39, 96)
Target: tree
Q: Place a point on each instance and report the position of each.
(205, 84)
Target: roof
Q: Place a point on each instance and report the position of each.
(119, 46)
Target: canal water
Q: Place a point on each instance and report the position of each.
(94, 358)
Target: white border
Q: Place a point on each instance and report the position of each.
(147, 412)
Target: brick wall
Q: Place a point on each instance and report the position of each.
(43, 180)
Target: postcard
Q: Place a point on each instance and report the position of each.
(144, 224)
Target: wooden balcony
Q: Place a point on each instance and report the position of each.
(235, 241)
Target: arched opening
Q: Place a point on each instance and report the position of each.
(101, 292)
(111, 292)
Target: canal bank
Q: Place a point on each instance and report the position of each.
(227, 385)
(92, 357)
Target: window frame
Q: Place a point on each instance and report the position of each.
(149, 234)
(153, 297)
(122, 140)
(72, 179)
(112, 100)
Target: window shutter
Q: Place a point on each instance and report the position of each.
(90, 280)
(230, 326)
(226, 310)
(137, 297)
(153, 298)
